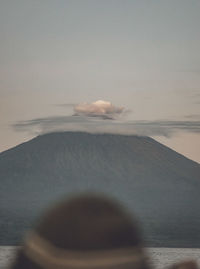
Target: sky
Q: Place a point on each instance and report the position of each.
(119, 66)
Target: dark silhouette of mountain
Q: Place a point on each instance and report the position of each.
(159, 185)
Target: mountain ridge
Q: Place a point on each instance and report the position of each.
(89, 133)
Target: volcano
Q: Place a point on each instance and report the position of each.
(158, 185)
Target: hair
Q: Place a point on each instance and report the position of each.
(83, 223)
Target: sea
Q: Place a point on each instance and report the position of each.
(160, 257)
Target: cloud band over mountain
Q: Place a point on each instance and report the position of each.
(95, 125)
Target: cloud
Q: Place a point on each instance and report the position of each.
(101, 109)
(95, 125)
(66, 105)
(193, 116)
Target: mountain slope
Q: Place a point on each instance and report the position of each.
(161, 186)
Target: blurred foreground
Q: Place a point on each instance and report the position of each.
(160, 257)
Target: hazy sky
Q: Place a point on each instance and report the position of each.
(141, 55)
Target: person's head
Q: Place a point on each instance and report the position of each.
(84, 232)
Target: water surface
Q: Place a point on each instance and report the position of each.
(161, 257)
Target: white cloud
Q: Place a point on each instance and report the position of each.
(100, 108)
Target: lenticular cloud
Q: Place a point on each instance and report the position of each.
(100, 108)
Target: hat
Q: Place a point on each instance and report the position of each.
(85, 232)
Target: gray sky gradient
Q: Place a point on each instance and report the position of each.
(142, 55)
